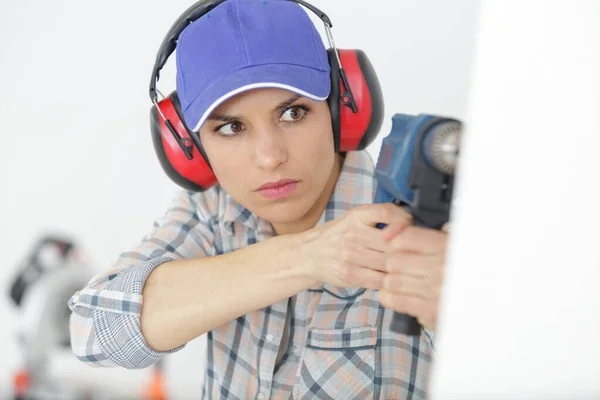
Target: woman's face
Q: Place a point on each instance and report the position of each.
(273, 152)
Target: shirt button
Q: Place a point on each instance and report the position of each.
(270, 337)
(261, 396)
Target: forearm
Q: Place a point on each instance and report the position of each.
(186, 298)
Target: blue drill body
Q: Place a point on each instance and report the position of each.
(413, 172)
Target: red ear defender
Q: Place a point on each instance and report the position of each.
(354, 130)
(178, 149)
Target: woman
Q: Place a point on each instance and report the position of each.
(280, 263)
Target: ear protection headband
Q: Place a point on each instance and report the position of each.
(355, 102)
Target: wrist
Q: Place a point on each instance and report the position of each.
(293, 250)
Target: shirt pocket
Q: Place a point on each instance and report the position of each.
(338, 364)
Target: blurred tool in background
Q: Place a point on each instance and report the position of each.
(415, 170)
(52, 271)
(156, 389)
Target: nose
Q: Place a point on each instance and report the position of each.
(270, 149)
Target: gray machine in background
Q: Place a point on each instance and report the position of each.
(50, 274)
(53, 270)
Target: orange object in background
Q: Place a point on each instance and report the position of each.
(156, 389)
(22, 384)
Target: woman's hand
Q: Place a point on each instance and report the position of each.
(414, 273)
(350, 251)
(404, 262)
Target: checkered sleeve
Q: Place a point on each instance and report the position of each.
(105, 320)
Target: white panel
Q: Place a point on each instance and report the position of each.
(521, 311)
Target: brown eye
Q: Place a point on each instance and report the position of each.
(296, 113)
(231, 129)
(236, 127)
(293, 114)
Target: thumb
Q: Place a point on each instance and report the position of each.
(385, 213)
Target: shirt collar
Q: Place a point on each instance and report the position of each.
(234, 213)
(354, 186)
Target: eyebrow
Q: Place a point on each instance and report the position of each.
(223, 117)
(231, 118)
(287, 102)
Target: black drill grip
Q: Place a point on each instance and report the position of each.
(405, 324)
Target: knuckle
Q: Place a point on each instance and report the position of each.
(391, 262)
(348, 214)
(395, 284)
(385, 211)
(347, 255)
(344, 270)
(391, 208)
(359, 209)
(388, 265)
(350, 237)
(346, 231)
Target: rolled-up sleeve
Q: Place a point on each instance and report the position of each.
(105, 323)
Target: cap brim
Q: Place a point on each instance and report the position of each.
(308, 82)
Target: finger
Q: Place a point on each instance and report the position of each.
(446, 227)
(411, 286)
(414, 264)
(386, 213)
(420, 240)
(367, 237)
(365, 257)
(361, 277)
(424, 311)
(373, 238)
(393, 229)
(401, 303)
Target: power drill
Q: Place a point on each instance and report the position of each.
(415, 170)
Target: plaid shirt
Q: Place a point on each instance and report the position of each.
(337, 342)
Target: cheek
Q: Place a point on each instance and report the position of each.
(227, 172)
(315, 153)
(225, 167)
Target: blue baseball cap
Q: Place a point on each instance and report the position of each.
(248, 44)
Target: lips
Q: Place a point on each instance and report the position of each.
(278, 190)
(278, 184)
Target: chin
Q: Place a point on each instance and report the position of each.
(283, 213)
(286, 212)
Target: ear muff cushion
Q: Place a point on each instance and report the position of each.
(195, 174)
(355, 131)
(377, 104)
(334, 98)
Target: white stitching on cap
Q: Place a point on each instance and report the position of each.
(253, 86)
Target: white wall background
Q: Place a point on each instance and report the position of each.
(521, 312)
(76, 155)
